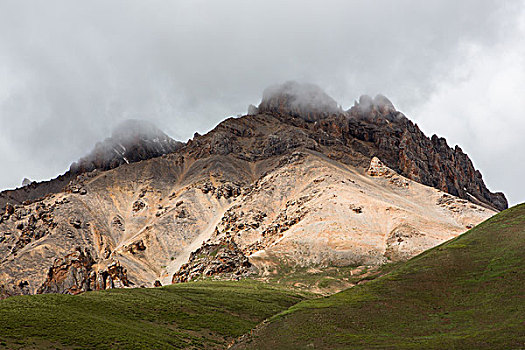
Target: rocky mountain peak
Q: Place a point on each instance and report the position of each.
(307, 101)
(133, 130)
(26, 182)
(371, 108)
(131, 141)
(309, 118)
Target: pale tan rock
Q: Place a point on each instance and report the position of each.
(300, 208)
(348, 218)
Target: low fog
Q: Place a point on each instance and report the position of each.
(71, 71)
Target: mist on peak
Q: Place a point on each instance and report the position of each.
(371, 108)
(131, 141)
(304, 100)
(311, 103)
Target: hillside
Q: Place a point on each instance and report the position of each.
(467, 293)
(200, 315)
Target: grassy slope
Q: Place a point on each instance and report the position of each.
(468, 293)
(190, 315)
(326, 280)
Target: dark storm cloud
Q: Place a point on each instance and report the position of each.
(71, 70)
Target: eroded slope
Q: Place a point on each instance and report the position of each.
(464, 294)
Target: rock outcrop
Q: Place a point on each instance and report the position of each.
(223, 259)
(373, 127)
(76, 273)
(377, 168)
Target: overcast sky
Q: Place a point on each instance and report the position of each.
(71, 70)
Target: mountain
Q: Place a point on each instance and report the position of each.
(297, 183)
(464, 294)
(131, 141)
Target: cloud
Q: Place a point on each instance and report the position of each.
(480, 106)
(70, 71)
(299, 98)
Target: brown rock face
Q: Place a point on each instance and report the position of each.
(373, 127)
(220, 259)
(403, 147)
(75, 273)
(20, 287)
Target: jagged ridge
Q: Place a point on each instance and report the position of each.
(373, 127)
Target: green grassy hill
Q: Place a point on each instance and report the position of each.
(468, 293)
(190, 316)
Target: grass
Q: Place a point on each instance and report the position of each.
(468, 293)
(191, 315)
(323, 280)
